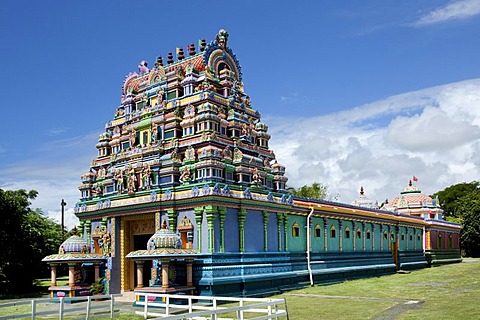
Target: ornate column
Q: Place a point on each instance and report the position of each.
(340, 234)
(80, 228)
(172, 220)
(198, 220)
(325, 227)
(158, 218)
(265, 230)
(354, 235)
(373, 237)
(222, 215)
(381, 237)
(189, 273)
(139, 273)
(165, 273)
(53, 273)
(211, 214)
(71, 274)
(242, 216)
(415, 238)
(285, 230)
(363, 233)
(279, 228)
(88, 227)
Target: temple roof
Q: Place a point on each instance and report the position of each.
(363, 201)
(74, 249)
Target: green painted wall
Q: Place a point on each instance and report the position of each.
(297, 243)
(333, 243)
(317, 242)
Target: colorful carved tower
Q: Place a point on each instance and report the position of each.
(187, 123)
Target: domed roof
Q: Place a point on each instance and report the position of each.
(412, 197)
(74, 244)
(164, 243)
(412, 201)
(74, 249)
(163, 239)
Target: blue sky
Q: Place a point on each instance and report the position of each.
(378, 90)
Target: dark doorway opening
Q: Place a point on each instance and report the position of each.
(140, 243)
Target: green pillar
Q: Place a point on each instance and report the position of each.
(211, 214)
(88, 228)
(80, 228)
(340, 233)
(285, 229)
(242, 216)
(325, 230)
(198, 220)
(172, 220)
(354, 226)
(265, 230)
(104, 222)
(279, 228)
(222, 214)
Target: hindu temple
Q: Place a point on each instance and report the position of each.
(185, 194)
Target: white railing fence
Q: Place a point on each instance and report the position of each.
(205, 307)
(77, 306)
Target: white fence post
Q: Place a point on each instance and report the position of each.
(241, 311)
(60, 309)
(34, 309)
(214, 315)
(87, 313)
(112, 305)
(145, 311)
(167, 307)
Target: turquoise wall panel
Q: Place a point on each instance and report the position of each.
(333, 244)
(297, 243)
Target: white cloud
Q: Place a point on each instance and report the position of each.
(54, 171)
(55, 131)
(431, 133)
(456, 10)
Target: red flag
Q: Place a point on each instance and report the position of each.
(415, 179)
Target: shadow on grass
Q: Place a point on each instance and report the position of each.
(39, 289)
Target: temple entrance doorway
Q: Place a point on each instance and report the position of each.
(140, 243)
(135, 232)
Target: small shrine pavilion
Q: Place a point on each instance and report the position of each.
(76, 253)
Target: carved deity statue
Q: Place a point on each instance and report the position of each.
(119, 180)
(190, 153)
(256, 179)
(132, 179)
(106, 243)
(237, 155)
(186, 175)
(227, 153)
(222, 38)
(145, 177)
(133, 137)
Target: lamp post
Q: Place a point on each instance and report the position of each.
(63, 204)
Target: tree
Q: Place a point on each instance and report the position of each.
(461, 203)
(450, 198)
(26, 236)
(469, 206)
(315, 191)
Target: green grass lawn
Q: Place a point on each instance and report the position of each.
(446, 292)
